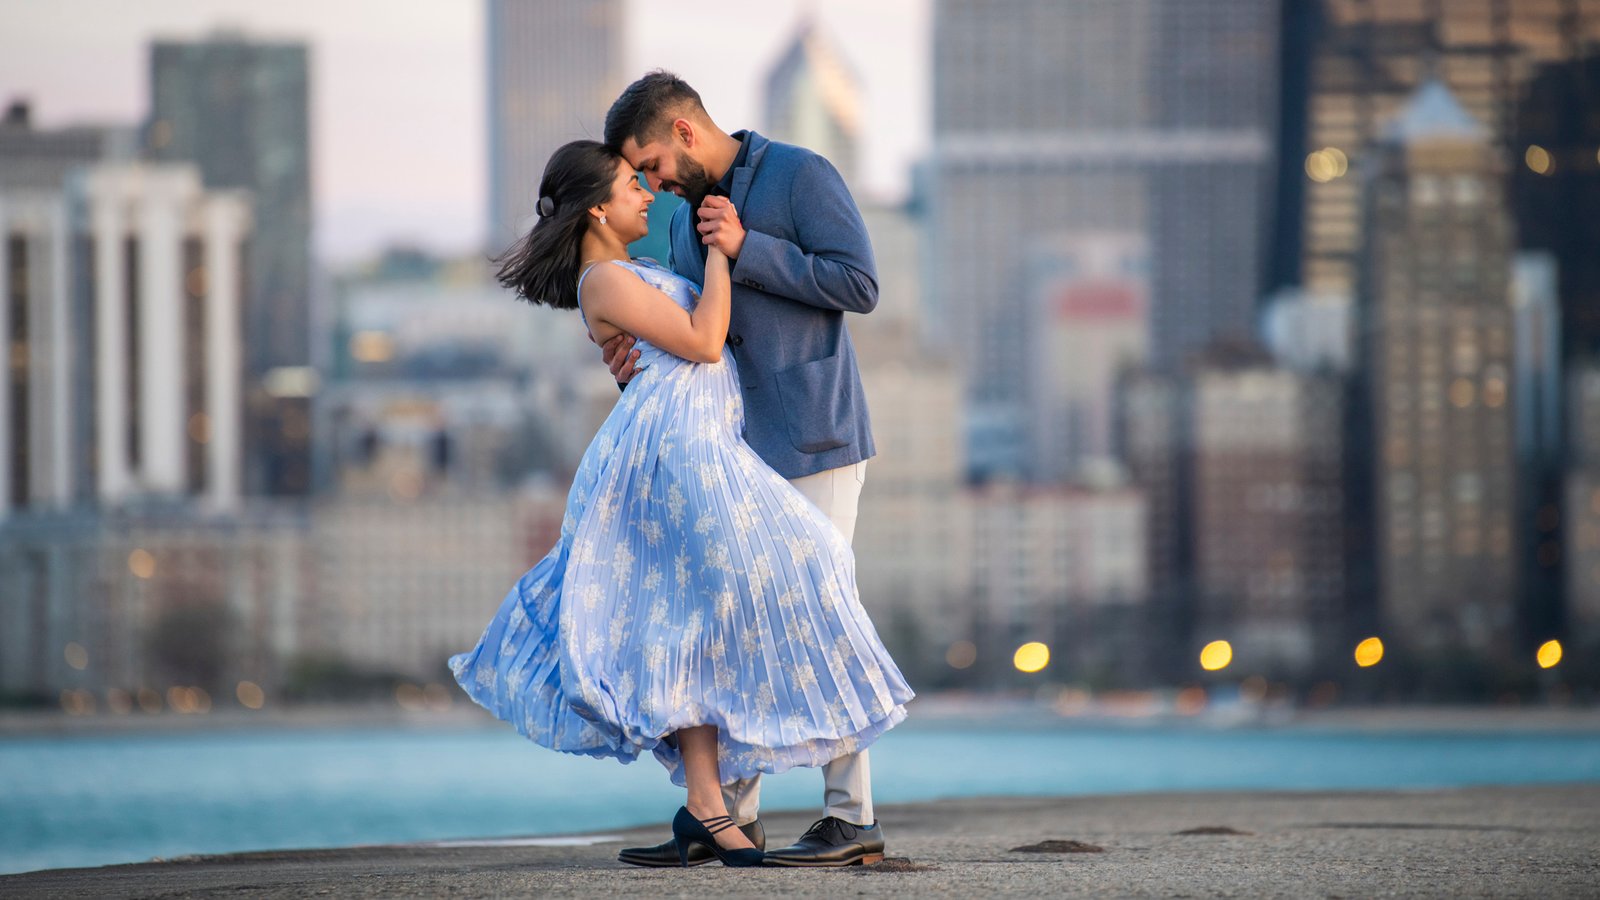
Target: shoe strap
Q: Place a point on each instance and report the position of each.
(723, 823)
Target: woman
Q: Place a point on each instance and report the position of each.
(696, 605)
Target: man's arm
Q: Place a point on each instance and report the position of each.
(831, 264)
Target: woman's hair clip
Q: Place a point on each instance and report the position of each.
(547, 206)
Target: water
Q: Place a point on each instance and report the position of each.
(80, 801)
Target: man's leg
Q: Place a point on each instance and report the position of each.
(847, 781)
(742, 798)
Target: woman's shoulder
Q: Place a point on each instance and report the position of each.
(641, 270)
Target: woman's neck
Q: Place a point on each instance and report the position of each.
(597, 247)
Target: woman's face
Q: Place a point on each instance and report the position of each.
(628, 210)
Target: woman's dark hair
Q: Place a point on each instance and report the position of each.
(542, 266)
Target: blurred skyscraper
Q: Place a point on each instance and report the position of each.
(1581, 519)
(1268, 518)
(813, 99)
(1537, 378)
(1149, 117)
(1065, 565)
(1556, 190)
(124, 551)
(45, 337)
(1365, 59)
(1153, 424)
(1089, 295)
(1527, 71)
(1436, 307)
(121, 335)
(239, 109)
(554, 66)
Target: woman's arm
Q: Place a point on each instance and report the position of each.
(627, 303)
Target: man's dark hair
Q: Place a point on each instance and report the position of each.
(647, 106)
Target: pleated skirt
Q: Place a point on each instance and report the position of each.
(691, 585)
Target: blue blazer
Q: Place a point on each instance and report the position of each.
(806, 261)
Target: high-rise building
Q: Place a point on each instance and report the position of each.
(813, 99)
(1062, 565)
(1268, 517)
(554, 66)
(44, 296)
(1527, 72)
(1536, 378)
(1437, 356)
(1366, 57)
(1089, 294)
(1154, 443)
(240, 110)
(1581, 519)
(1556, 190)
(1151, 117)
(121, 340)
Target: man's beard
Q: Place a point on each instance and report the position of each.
(693, 179)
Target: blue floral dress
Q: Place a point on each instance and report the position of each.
(691, 585)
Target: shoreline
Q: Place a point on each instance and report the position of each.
(925, 711)
(1530, 841)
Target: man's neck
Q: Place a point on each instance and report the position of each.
(724, 150)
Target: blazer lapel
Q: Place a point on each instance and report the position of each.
(743, 175)
(741, 187)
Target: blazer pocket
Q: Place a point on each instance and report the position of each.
(817, 411)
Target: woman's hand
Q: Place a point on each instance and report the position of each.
(720, 226)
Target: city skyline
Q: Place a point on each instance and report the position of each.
(394, 95)
(1159, 479)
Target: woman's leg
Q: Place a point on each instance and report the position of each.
(699, 748)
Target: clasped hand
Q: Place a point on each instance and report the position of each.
(719, 227)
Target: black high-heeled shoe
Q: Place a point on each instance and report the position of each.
(687, 830)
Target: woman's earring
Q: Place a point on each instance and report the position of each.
(602, 218)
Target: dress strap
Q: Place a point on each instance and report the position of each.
(585, 274)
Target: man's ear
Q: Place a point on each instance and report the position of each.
(683, 129)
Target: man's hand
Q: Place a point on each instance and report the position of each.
(720, 226)
(620, 356)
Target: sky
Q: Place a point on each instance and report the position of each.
(397, 88)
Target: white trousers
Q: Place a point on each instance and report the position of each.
(847, 781)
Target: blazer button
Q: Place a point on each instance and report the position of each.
(736, 341)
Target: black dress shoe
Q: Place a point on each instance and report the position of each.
(832, 842)
(663, 855)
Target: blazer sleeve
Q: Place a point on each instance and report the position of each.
(830, 266)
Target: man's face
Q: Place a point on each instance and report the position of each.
(667, 166)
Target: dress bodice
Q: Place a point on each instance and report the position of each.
(683, 292)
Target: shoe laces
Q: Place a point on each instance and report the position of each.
(820, 827)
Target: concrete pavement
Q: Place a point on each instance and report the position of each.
(1477, 842)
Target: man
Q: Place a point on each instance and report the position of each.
(801, 259)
